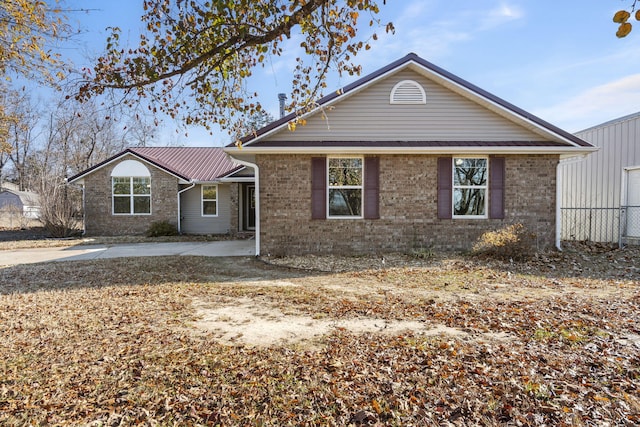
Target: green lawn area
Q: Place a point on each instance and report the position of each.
(447, 340)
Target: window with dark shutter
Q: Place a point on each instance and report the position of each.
(444, 187)
(371, 187)
(496, 187)
(318, 188)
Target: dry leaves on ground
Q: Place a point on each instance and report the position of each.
(119, 342)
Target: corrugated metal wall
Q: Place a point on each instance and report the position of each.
(592, 187)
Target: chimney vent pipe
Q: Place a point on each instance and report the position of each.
(282, 97)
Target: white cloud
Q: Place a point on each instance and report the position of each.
(500, 15)
(596, 105)
(433, 31)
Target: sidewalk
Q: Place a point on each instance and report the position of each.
(221, 248)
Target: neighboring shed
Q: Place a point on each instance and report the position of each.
(25, 203)
(601, 193)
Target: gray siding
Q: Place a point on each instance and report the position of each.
(369, 115)
(193, 222)
(596, 182)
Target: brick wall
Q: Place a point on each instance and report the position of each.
(99, 220)
(234, 194)
(408, 208)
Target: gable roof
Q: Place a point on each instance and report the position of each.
(190, 164)
(26, 197)
(629, 117)
(557, 140)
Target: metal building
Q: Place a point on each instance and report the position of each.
(601, 192)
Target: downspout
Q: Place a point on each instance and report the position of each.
(257, 196)
(84, 210)
(562, 163)
(193, 184)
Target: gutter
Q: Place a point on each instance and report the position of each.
(193, 184)
(565, 152)
(562, 163)
(257, 195)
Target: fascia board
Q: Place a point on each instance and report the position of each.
(181, 180)
(492, 105)
(411, 150)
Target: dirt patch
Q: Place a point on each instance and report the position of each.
(253, 323)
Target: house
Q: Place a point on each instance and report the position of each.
(198, 189)
(410, 156)
(14, 201)
(601, 193)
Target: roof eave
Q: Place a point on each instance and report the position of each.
(411, 150)
(82, 175)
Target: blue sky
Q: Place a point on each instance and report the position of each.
(559, 60)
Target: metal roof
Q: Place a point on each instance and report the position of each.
(199, 164)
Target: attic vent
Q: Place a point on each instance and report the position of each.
(408, 92)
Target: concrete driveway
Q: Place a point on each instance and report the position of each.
(88, 252)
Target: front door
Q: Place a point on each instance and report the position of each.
(250, 207)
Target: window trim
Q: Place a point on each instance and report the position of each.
(485, 187)
(131, 197)
(348, 187)
(202, 200)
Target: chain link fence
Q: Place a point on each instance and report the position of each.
(591, 224)
(606, 225)
(629, 225)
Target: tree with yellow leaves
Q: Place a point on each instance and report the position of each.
(195, 57)
(622, 17)
(28, 29)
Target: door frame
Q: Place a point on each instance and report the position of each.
(248, 206)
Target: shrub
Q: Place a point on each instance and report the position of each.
(513, 242)
(161, 228)
(59, 209)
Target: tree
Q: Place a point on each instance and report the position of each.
(28, 30)
(622, 17)
(253, 123)
(195, 56)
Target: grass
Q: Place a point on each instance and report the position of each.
(115, 342)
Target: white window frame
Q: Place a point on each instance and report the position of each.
(202, 200)
(484, 187)
(346, 187)
(131, 197)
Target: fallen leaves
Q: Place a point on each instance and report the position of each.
(112, 342)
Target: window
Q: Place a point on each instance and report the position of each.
(209, 200)
(345, 177)
(131, 195)
(470, 187)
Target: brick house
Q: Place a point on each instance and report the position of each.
(410, 156)
(198, 189)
